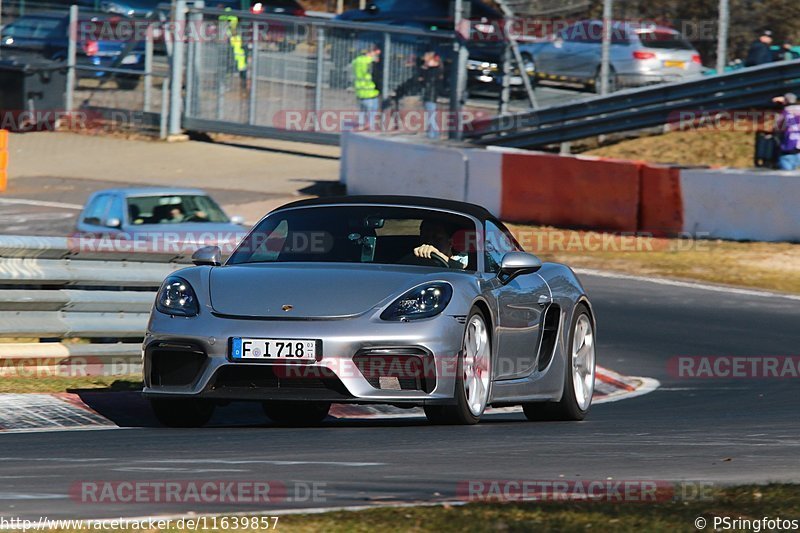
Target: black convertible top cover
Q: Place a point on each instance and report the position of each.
(476, 211)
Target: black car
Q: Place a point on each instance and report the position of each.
(46, 35)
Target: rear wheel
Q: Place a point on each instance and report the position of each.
(578, 378)
(296, 413)
(189, 413)
(127, 83)
(473, 378)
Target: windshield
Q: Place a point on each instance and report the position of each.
(360, 234)
(174, 209)
(33, 28)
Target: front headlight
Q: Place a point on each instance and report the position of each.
(424, 301)
(176, 297)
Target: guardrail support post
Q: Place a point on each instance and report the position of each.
(176, 67)
(319, 79)
(253, 103)
(164, 109)
(69, 93)
(148, 67)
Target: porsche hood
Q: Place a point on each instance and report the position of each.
(292, 291)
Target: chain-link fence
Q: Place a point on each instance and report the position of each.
(298, 74)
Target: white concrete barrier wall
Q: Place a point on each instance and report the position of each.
(485, 179)
(374, 164)
(742, 204)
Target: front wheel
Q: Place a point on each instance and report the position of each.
(182, 413)
(296, 413)
(578, 375)
(473, 378)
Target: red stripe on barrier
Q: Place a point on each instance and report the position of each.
(660, 201)
(570, 191)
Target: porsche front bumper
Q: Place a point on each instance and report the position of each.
(190, 357)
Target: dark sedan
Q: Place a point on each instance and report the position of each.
(47, 35)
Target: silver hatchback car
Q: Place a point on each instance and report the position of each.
(641, 54)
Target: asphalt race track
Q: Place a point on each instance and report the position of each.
(720, 430)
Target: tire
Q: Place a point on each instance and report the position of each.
(466, 411)
(191, 413)
(296, 413)
(127, 83)
(572, 406)
(528, 58)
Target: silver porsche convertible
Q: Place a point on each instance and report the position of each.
(383, 299)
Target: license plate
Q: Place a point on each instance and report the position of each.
(130, 59)
(675, 64)
(515, 80)
(273, 349)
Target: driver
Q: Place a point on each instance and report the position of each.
(437, 243)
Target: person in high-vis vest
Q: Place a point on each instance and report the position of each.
(230, 23)
(367, 92)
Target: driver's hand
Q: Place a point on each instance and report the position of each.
(200, 214)
(427, 250)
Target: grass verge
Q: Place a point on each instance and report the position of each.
(758, 265)
(726, 147)
(744, 502)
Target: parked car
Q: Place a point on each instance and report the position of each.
(639, 55)
(47, 35)
(258, 7)
(333, 300)
(149, 213)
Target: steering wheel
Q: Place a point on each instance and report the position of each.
(195, 218)
(434, 260)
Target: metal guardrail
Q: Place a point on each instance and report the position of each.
(639, 108)
(60, 288)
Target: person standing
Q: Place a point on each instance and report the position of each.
(430, 80)
(787, 128)
(759, 52)
(367, 92)
(230, 24)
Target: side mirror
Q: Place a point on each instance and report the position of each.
(372, 8)
(516, 264)
(207, 255)
(114, 223)
(236, 219)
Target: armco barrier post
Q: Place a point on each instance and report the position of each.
(3, 160)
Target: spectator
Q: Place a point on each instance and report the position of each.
(431, 82)
(787, 53)
(760, 52)
(367, 92)
(787, 129)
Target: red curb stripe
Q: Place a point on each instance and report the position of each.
(617, 383)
